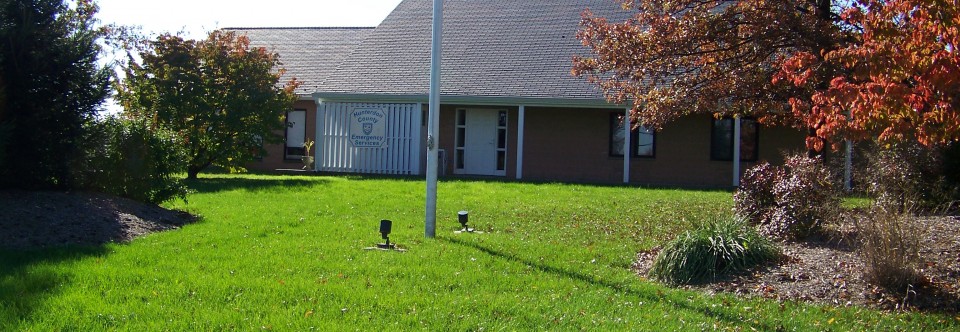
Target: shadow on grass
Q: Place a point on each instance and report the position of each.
(647, 296)
(212, 185)
(28, 279)
(583, 183)
(496, 180)
(589, 184)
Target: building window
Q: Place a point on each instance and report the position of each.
(258, 147)
(296, 134)
(460, 146)
(721, 139)
(642, 139)
(502, 141)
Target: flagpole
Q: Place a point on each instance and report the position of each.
(433, 126)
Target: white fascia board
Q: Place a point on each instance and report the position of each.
(369, 98)
(468, 100)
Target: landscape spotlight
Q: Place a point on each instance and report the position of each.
(385, 228)
(462, 217)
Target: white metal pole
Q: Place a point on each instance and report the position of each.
(627, 126)
(430, 229)
(736, 151)
(520, 124)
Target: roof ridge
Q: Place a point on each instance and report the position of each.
(297, 28)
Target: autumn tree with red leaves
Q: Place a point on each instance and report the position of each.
(222, 96)
(869, 69)
(899, 79)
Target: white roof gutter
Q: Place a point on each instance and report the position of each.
(467, 100)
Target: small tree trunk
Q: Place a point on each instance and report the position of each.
(812, 153)
(192, 172)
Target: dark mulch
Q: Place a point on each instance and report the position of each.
(830, 271)
(37, 219)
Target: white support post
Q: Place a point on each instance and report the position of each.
(736, 151)
(318, 136)
(417, 152)
(848, 167)
(521, 118)
(627, 126)
(433, 126)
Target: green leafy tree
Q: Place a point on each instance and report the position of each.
(221, 96)
(50, 85)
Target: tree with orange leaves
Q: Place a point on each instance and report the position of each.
(220, 95)
(899, 79)
(869, 69)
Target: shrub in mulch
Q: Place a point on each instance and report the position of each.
(131, 159)
(790, 201)
(890, 247)
(907, 176)
(717, 248)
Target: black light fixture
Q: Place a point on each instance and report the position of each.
(463, 217)
(385, 227)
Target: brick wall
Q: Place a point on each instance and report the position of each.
(275, 157)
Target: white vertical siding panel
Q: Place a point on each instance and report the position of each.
(403, 156)
(415, 147)
(391, 153)
(396, 143)
(401, 151)
(347, 157)
(338, 147)
(332, 140)
(342, 133)
(397, 155)
(328, 110)
(413, 141)
(410, 153)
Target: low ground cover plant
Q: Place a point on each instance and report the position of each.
(717, 248)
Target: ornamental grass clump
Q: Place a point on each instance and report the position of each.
(890, 247)
(717, 248)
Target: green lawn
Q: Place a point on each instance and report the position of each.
(286, 253)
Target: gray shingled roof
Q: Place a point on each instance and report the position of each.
(491, 49)
(309, 54)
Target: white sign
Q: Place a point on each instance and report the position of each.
(368, 127)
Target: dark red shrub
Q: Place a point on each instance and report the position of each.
(789, 201)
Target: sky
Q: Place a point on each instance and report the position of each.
(197, 17)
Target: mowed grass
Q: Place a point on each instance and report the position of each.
(287, 253)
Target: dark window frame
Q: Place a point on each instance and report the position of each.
(728, 146)
(615, 120)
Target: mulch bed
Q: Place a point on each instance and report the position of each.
(830, 271)
(30, 219)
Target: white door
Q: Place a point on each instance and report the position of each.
(481, 142)
(296, 133)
